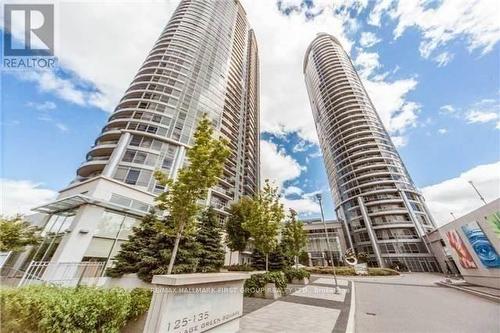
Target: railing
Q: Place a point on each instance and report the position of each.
(62, 273)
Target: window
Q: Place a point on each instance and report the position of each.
(99, 248)
(133, 175)
(109, 225)
(128, 156)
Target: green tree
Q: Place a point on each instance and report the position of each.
(264, 220)
(294, 237)
(16, 233)
(208, 236)
(147, 252)
(236, 236)
(278, 259)
(205, 164)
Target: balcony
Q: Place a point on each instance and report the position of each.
(92, 165)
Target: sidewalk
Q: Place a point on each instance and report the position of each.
(311, 308)
(488, 293)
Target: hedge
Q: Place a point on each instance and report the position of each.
(348, 271)
(293, 273)
(59, 309)
(240, 268)
(256, 283)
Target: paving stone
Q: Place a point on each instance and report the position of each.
(290, 317)
(331, 281)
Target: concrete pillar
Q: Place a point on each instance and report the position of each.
(117, 154)
(413, 217)
(179, 160)
(371, 234)
(74, 244)
(341, 216)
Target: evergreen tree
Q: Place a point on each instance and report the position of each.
(147, 252)
(128, 258)
(278, 259)
(211, 253)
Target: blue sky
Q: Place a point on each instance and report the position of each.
(433, 76)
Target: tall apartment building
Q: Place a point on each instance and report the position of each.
(384, 214)
(205, 61)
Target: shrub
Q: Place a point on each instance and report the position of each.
(59, 309)
(293, 273)
(342, 270)
(240, 268)
(255, 285)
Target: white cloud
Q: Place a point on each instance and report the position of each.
(279, 167)
(283, 41)
(368, 39)
(475, 116)
(443, 59)
(19, 196)
(457, 196)
(485, 111)
(276, 165)
(447, 109)
(389, 97)
(444, 21)
(66, 89)
(367, 63)
(399, 141)
(292, 190)
(304, 206)
(62, 127)
(442, 131)
(98, 54)
(394, 110)
(45, 106)
(377, 11)
(302, 145)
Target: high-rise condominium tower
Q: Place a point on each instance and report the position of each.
(205, 61)
(384, 214)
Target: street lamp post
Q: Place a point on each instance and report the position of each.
(477, 191)
(318, 197)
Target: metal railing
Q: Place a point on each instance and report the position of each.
(62, 273)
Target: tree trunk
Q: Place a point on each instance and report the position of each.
(174, 251)
(267, 262)
(230, 257)
(296, 262)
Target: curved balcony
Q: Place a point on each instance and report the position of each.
(92, 165)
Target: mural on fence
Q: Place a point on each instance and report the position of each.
(481, 245)
(464, 256)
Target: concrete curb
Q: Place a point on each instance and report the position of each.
(351, 320)
(490, 297)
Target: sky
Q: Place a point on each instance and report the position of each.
(430, 67)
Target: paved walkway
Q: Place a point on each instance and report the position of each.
(413, 303)
(312, 308)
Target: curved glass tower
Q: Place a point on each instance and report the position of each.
(205, 61)
(384, 214)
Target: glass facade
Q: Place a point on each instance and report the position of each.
(204, 62)
(385, 214)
